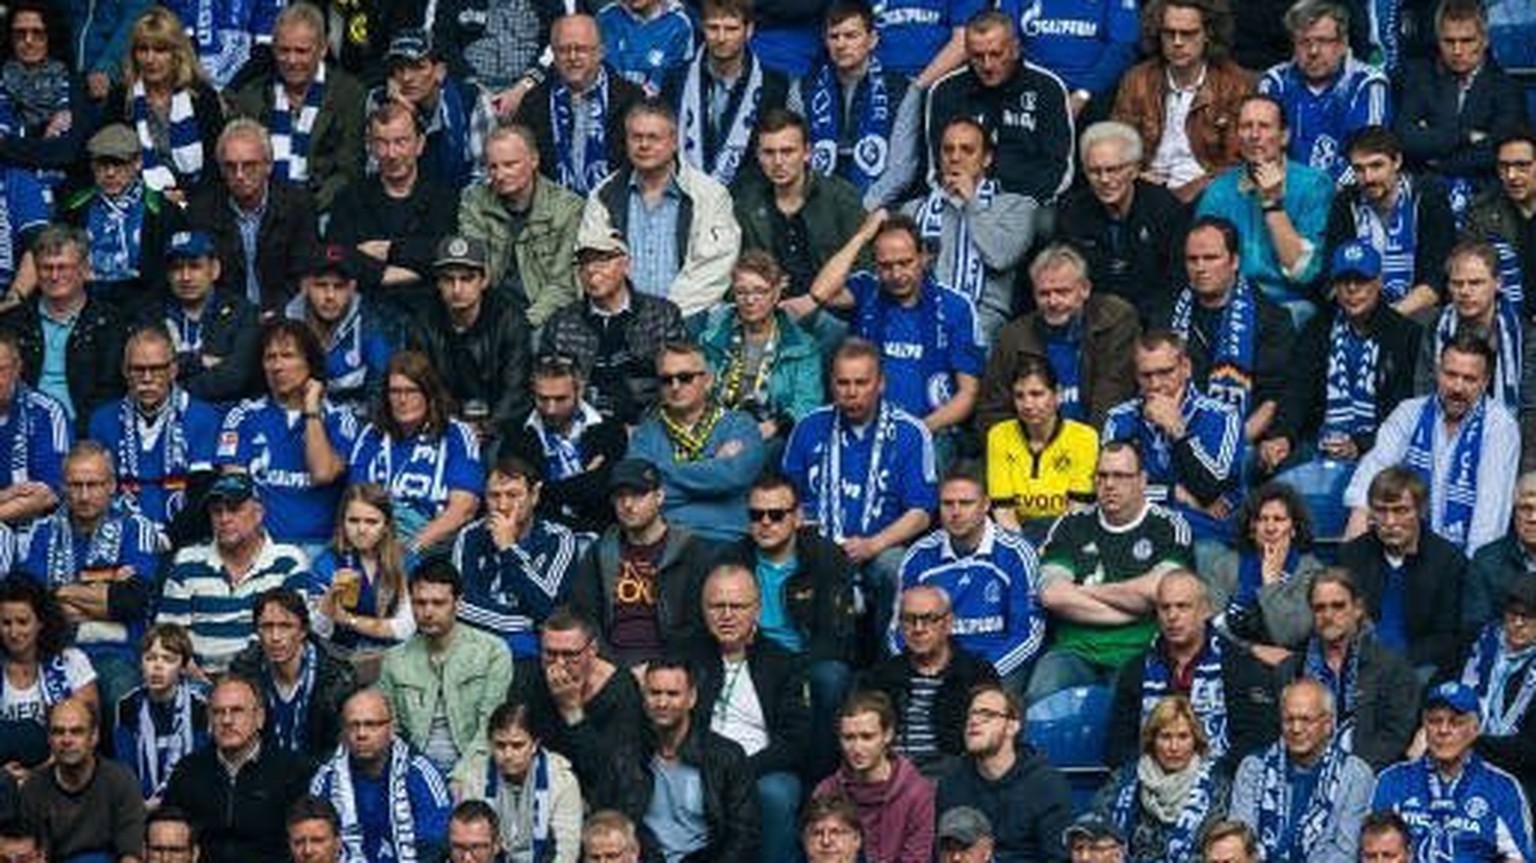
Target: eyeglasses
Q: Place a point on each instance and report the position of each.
(680, 379)
(1511, 166)
(555, 655)
(987, 714)
(148, 370)
(1108, 170)
(916, 620)
(772, 514)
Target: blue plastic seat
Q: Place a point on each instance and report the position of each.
(1069, 728)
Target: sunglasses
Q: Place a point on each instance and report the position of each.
(773, 515)
(681, 379)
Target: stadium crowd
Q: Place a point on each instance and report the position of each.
(507, 431)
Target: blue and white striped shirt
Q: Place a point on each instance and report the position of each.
(198, 595)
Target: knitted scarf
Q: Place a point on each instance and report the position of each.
(1275, 804)
(402, 826)
(1207, 691)
(290, 726)
(1345, 685)
(1250, 579)
(691, 443)
(562, 451)
(1350, 400)
(829, 494)
(8, 250)
(1231, 376)
(35, 93)
(115, 227)
(1490, 670)
(186, 140)
(692, 121)
(1461, 483)
(872, 117)
(155, 764)
(1394, 235)
(733, 390)
(594, 166)
(166, 431)
(290, 134)
(1505, 384)
(536, 805)
(1149, 788)
(15, 427)
(105, 548)
(968, 272)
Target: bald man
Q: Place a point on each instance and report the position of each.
(83, 807)
(393, 803)
(1232, 693)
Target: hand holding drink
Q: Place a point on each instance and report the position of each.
(348, 584)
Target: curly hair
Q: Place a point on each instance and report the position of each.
(1295, 507)
(1215, 15)
(54, 634)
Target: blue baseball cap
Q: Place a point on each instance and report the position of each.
(190, 244)
(1453, 694)
(1355, 259)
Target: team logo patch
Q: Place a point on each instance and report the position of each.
(1142, 550)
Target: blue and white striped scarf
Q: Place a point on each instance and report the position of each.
(402, 826)
(290, 134)
(52, 681)
(1394, 235)
(1504, 384)
(1350, 398)
(968, 272)
(155, 763)
(1183, 834)
(872, 114)
(692, 122)
(562, 452)
(1461, 484)
(290, 724)
(1275, 803)
(105, 548)
(1345, 685)
(186, 140)
(1490, 670)
(1232, 356)
(829, 496)
(536, 796)
(166, 431)
(1207, 690)
(594, 165)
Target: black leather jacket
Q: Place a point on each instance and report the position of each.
(93, 356)
(487, 362)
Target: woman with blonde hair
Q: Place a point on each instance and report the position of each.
(165, 96)
(1162, 801)
(358, 584)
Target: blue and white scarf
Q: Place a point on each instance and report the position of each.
(8, 256)
(1394, 235)
(186, 140)
(154, 763)
(1231, 376)
(115, 227)
(536, 796)
(1350, 398)
(1275, 803)
(872, 116)
(1505, 383)
(1511, 279)
(402, 826)
(1490, 670)
(829, 497)
(1345, 685)
(1207, 690)
(594, 165)
(562, 452)
(105, 548)
(290, 134)
(1461, 484)
(968, 272)
(1183, 835)
(167, 431)
(52, 682)
(1250, 580)
(186, 331)
(291, 723)
(692, 121)
(16, 426)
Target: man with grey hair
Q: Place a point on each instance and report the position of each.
(980, 231)
(310, 105)
(1130, 230)
(1088, 336)
(1304, 795)
(263, 228)
(1327, 94)
(69, 344)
